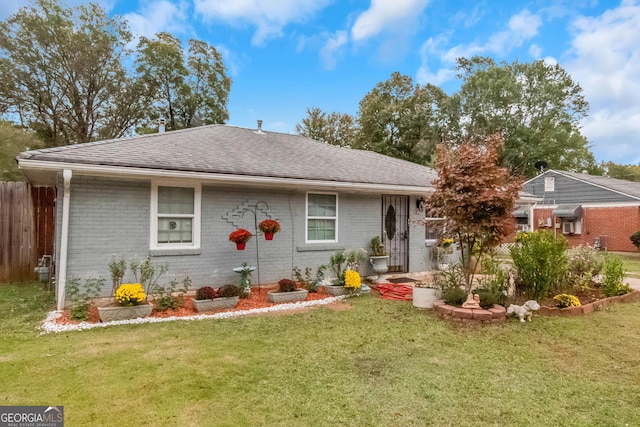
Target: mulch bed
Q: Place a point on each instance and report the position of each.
(257, 299)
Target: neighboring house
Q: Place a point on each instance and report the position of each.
(176, 196)
(586, 209)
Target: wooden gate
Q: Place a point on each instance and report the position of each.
(26, 229)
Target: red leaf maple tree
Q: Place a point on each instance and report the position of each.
(475, 196)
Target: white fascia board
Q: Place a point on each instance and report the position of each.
(142, 173)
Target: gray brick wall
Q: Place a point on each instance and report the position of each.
(111, 217)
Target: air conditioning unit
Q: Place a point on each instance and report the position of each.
(522, 227)
(567, 227)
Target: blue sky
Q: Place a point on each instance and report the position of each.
(287, 55)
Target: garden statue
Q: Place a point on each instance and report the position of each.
(525, 310)
(473, 301)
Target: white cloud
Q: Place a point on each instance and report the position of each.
(269, 17)
(398, 15)
(157, 16)
(520, 28)
(333, 48)
(605, 60)
(535, 51)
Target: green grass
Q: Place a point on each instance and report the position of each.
(630, 262)
(379, 363)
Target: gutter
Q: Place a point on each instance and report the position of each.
(221, 178)
(61, 279)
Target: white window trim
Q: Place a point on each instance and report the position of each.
(307, 218)
(549, 183)
(197, 216)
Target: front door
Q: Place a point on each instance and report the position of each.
(395, 222)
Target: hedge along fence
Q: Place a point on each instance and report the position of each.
(26, 229)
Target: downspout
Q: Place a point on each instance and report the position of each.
(61, 280)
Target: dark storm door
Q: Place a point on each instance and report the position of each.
(395, 221)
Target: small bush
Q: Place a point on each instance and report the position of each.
(165, 298)
(613, 276)
(566, 300)
(229, 291)
(584, 264)
(489, 297)
(207, 292)
(81, 296)
(540, 263)
(307, 281)
(286, 285)
(454, 296)
(635, 239)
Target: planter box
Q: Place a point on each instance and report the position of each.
(336, 290)
(280, 297)
(110, 314)
(214, 304)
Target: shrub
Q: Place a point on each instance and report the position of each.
(584, 264)
(454, 296)
(164, 296)
(540, 262)
(566, 300)
(495, 281)
(81, 296)
(307, 281)
(286, 285)
(147, 273)
(635, 239)
(207, 292)
(489, 297)
(229, 291)
(613, 276)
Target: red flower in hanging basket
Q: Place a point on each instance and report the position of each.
(269, 226)
(240, 235)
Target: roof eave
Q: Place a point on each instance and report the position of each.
(50, 170)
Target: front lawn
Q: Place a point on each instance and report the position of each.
(379, 363)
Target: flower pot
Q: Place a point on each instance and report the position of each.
(241, 246)
(280, 297)
(424, 297)
(110, 314)
(336, 290)
(268, 235)
(215, 304)
(379, 263)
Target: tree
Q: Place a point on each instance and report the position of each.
(627, 172)
(536, 106)
(402, 120)
(185, 93)
(61, 73)
(14, 141)
(333, 128)
(475, 196)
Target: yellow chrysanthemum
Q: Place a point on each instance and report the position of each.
(352, 279)
(130, 294)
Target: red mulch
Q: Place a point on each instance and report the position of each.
(257, 299)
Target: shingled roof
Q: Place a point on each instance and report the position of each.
(628, 188)
(223, 150)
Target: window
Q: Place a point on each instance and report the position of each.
(322, 217)
(175, 216)
(549, 183)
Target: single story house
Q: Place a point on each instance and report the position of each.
(588, 210)
(177, 195)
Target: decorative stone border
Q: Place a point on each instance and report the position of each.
(589, 308)
(470, 316)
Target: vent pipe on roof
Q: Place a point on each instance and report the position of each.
(161, 123)
(259, 125)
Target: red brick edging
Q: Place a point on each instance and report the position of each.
(496, 314)
(591, 307)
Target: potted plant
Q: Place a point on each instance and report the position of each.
(287, 292)
(379, 258)
(425, 293)
(208, 298)
(132, 303)
(269, 227)
(240, 237)
(352, 281)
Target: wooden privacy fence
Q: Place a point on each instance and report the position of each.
(26, 229)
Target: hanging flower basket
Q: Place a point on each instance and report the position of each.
(240, 237)
(269, 227)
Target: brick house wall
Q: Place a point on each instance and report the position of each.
(611, 225)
